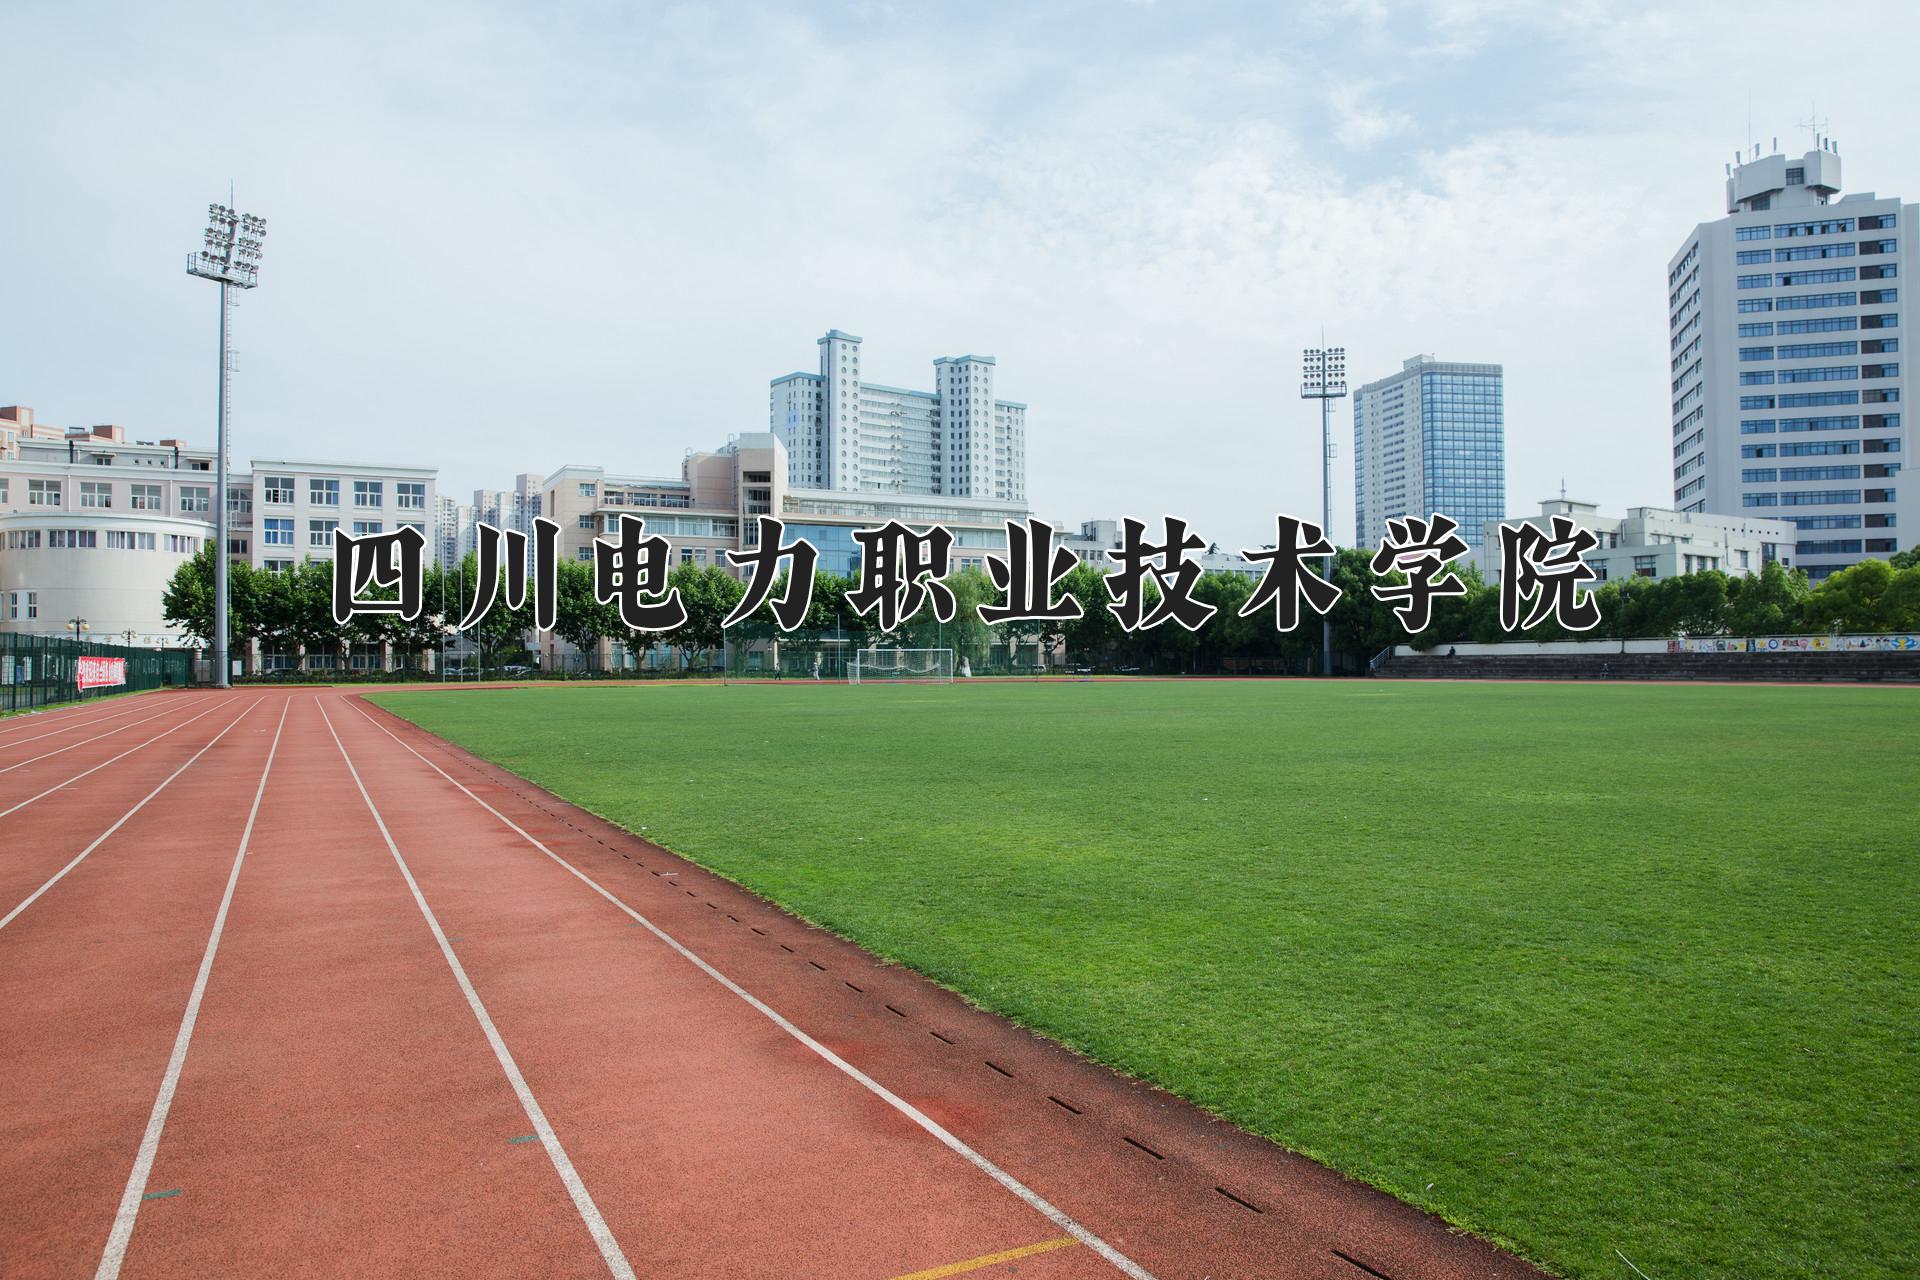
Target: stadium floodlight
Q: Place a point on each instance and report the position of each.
(230, 257)
(1323, 377)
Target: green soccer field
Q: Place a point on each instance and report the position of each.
(1582, 968)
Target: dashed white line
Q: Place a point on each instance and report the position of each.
(589, 1212)
(80, 857)
(123, 1221)
(123, 755)
(1033, 1199)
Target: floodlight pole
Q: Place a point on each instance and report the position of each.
(1324, 378)
(230, 258)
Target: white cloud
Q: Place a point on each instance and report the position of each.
(497, 245)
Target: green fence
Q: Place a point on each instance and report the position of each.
(39, 671)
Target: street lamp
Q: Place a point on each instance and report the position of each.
(230, 257)
(79, 625)
(1323, 377)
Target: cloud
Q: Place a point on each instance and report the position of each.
(502, 243)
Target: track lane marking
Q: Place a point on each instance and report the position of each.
(589, 1212)
(85, 712)
(80, 857)
(85, 722)
(48, 755)
(135, 1192)
(1033, 1199)
(989, 1259)
(216, 704)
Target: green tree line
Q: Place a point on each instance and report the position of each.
(293, 611)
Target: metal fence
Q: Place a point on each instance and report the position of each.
(39, 671)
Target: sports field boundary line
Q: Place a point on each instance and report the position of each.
(1059, 1217)
(583, 1202)
(102, 838)
(88, 722)
(36, 717)
(48, 755)
(214, 705)
(123, 1222)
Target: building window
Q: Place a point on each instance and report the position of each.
(368, 493)
(278, 491)
(410, 495)
(276, 533)
(588, 488)
(43, 493)
(361, 528)
(320, 533)
(586, 521)
(194, 498)
(144, 497)
(323, 493)
(96, 493)
(1796, 176)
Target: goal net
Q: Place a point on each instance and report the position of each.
(923, 666)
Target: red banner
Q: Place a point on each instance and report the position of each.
(99, 673)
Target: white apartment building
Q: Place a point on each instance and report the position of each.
(849, 435)
(1784, 336)
(286, 510)
(1097, 537)
(73, 499)
(453, 522)
(1430, 438)
(1656, 542)
(93, 527)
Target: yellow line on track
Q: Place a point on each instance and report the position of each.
(989, 1259)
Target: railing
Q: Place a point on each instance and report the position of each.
(38, 671)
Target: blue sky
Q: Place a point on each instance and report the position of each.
(501, 240)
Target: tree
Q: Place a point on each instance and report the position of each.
(579, 619)
(1092, 635)
(708, 593)
(1852, 599)
(1768, 603)
(500, 629)
(187, 602)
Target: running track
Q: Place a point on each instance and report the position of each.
(291, 988)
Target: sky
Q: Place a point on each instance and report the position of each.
(504, 240)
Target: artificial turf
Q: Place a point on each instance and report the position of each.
(1598, 971)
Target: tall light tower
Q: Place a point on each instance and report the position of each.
(1323, 377)
(230, 258)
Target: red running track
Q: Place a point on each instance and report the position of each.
(291, 988)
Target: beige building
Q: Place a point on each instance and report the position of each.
(714, 505)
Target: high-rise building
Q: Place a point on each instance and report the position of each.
(516, 508)
(1784, 334)
(1430, 438)
(846, 434)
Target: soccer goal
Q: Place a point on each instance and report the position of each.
(914, 666)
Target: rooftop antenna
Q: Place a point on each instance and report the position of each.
(1816, 124)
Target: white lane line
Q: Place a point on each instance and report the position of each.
(80, 857)
(68, 724)
(216, 703)
(64, 715)
(48, 755)
(123, 1221)
(1059, 1217)
(582, 1200)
